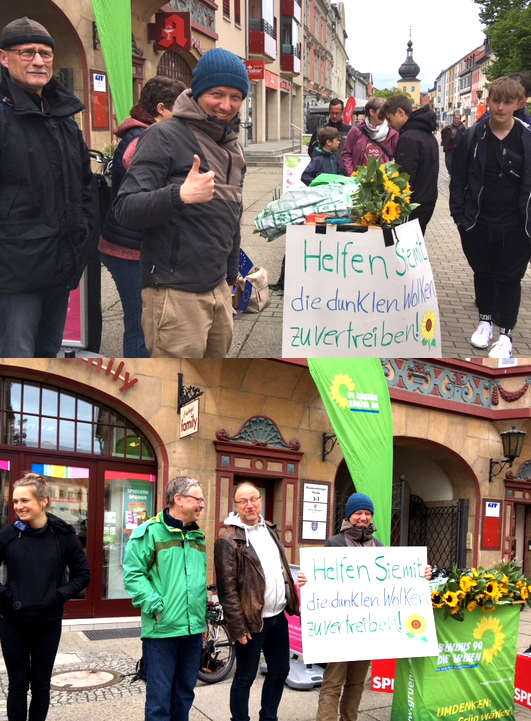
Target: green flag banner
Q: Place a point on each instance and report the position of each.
(113, 18)
(472, 678)
(356, 397)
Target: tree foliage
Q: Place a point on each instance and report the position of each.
(509, 29)
(386, 93)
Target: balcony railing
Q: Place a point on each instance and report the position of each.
(292, 50)
(262, 26)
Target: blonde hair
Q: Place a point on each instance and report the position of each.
(38, 482)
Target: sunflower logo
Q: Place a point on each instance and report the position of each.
(341, 380)
(492, 628)
(416, 626)
(429, 328)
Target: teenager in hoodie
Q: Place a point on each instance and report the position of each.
(37, 549)
(343, 681)
(417, 152)
(255, 586)
(120, 246)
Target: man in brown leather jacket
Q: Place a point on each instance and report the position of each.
(255, 586)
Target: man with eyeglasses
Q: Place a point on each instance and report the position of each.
(165, 575)
(45, 194)
(255, 586)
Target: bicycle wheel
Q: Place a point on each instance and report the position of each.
(218, 655)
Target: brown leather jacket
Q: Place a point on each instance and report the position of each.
(241, 581)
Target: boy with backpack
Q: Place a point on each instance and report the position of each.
(490, 201)
(325, 159)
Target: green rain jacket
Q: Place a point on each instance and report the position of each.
(165, 572)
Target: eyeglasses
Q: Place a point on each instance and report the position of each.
(46, 55)
(201, 501)
(244, 501)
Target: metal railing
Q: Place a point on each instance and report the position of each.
(262, 26)
(299, 140)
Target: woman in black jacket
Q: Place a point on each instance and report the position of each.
(37, 548)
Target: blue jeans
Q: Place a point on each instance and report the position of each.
(32, 324)
(172, 666)
(126, 274)
(273, 640)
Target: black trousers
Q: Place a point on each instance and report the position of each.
(499, 257)
(423, 214)
(29, 650)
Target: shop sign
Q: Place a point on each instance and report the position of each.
(256, 69)
(314, 512)
(103, 365)
(171, 31)
(189, 422)
(271, 80)
(285, 85)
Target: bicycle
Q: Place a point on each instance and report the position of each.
(219, 654)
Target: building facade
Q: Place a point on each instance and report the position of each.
(319, 22)
(340, 56)
(107, 434)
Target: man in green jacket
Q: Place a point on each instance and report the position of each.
(165, 575)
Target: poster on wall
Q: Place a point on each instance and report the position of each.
(366, 603)
(76, 327)
(365, 294)
(315, 510)
(138, 507)
(293, 166)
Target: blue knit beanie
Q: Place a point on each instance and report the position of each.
(358, 502)
(219, 67)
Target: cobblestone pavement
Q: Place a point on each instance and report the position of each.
(124, 701)
(260, 335)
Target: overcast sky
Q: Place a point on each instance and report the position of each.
(378, 32)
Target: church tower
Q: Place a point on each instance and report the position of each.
(408, 72)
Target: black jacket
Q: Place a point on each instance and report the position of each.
(36, 560)
(418, 154)
(188, 247)
(343, 129)
(322, 162)
(468, 175)
(45, 189)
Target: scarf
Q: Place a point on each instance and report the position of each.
(357, 536)
(377, 132)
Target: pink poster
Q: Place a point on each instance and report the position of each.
(75, 333)
(294, 622)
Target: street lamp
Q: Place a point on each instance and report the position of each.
(513, 441)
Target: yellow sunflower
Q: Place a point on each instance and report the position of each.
(392, 188)
(391, 211)
(429, 325)
(369, 219)
(494, 626)
(354, 174)
(451, 598)
(466, 583)
(416, 624)
(524, 593)
(436, 599)
(472, 606)
(340, 380)
(494, 590)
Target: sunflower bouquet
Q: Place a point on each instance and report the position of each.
(481, 588)
(383, 196)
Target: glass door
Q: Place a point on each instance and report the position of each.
(72, 498)
(128, 500)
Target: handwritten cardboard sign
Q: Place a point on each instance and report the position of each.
(366, 603)
(348, 294)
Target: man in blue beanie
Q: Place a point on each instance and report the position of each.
(184, 191)
(343, 681)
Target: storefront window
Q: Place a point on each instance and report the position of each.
(37, 416)
(129, 501)
(69, 494)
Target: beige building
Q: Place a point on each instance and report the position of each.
(106, 432)
(340, 61)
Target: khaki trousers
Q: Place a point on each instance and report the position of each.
(177, 324)
(347, 677)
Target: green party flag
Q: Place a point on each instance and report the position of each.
(473, 676)
(113, 18)
(356, 397)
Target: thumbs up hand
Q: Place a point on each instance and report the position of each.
(198, 187)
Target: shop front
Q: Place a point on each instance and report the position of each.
(100, 470)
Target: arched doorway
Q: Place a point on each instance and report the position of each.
(100, 470)
(173, 65)
(435, 501)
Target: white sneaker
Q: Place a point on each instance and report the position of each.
(482, 335)
(503, 348)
